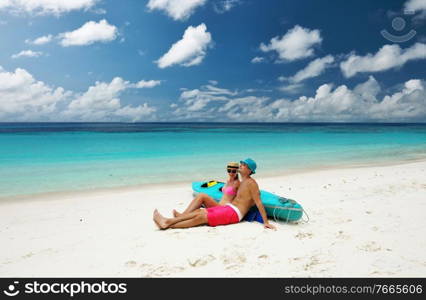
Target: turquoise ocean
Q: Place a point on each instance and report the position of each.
(61, 157)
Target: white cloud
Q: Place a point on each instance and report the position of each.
(147, 84)
(27, 53)
(244, 108)
(415, 5)
(89, 33)
(102, 102)
(292, 88)
(328, 104)
(46, 7)
(188, 51)
(197, 99)
(297, 43)
(257, 60)
(313, 69)
(22, 98)
(339, 104)
(225, 5)
(388, 57)
(176, 9)
(138, 113)
(40, 40)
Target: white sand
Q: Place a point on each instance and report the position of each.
(368, 222)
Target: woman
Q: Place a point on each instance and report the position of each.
(229, 191)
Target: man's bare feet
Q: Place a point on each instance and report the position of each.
(160, 220)
(176, 213)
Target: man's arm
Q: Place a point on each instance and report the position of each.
(254, 188)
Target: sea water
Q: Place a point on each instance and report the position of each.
(58, 157)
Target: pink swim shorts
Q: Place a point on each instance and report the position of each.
(221, 215)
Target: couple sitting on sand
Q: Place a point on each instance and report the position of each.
(238, 198)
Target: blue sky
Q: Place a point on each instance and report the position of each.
(210, 60)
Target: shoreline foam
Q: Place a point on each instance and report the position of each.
(133, 188)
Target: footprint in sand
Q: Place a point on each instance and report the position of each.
(375, 228)
(130, 263)
(378, 273)
(304, 235)
(237, 259)
(28, 255)
(370, 247)
(341, 235)
(341, 221)
(294, 259)
(201, 261)
(263, 259)
(313, 261)
(160, 271)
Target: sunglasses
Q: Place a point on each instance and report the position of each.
(233, 171)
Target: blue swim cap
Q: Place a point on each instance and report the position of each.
(251, 164)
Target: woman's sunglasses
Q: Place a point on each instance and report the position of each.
(233, 171)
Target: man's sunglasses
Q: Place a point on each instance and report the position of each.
(233, 171)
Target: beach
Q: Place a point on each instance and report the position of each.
(364, 222)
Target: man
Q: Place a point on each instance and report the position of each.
(248, 194)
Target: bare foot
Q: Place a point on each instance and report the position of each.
(176, 213)
(154, 219)
(160, 220)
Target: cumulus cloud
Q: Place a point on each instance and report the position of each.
(102, 102)
(257, 60)
(40, 40)
(176, 9)
(343, 104)
(46, 7)
(328, 104)
(296, 44)
(23, 98)
(27, 53)
(415, 5)
(190, 50)
(388, 57)
(313, 69)
(89, 33)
